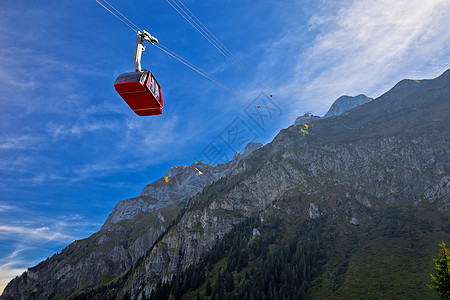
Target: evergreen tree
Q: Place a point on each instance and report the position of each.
(441, 280)
(208, 290)
(229, 284)
(279, 273)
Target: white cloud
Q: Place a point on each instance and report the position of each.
(30, 240)
(19, 142)
(78, 130)
(7, 272)
(15, 163)
(44, 234)
(366, 47)
(76, 221)
(5, 207)
(149, 142)
(9, 267)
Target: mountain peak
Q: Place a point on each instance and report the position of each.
(306, 118)
(252, 146)
(445, 74)
(178, 185)
(345, 103)
(175, 170)
(371, 170)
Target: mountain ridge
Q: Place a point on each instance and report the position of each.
(342, 155)
(178, 185)
(391, 195)
(346, 103)
(253, 194)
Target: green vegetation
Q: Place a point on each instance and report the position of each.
(441, 279)
(386, 256)
(391, 262)
(277, 264)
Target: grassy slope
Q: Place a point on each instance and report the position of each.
(390, 264)
(388, 257)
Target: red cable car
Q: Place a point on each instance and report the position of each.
(141, 92)
(140, 89)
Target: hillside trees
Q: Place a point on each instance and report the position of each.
(277, 264)
(441, 279)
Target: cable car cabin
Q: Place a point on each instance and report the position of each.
(141, 92)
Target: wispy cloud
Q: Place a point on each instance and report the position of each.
(5, 207)
(7, 272)
(41, 233)
(27, 240)
(367, 46)
(75, 221)
(19, 142)
(78, 130)
(9, 268)
(34, 239)
(13, 265)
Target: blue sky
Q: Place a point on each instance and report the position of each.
(70, 148)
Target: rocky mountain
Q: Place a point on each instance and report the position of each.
(130, 230)
(339, 106)
(346, 103)
(177, 186)
(305, 119)
(345, 207)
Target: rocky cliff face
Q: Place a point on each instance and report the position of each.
(340, 106)
(346, 103)
(177, 186)
(130, 230)
(305, 119)
(388, 162)
(347, 169)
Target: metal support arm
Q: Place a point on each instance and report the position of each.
(142, 36)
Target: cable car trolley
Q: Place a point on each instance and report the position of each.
(140, 89)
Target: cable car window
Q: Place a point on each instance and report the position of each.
(143, 77)
(157, 91)
(153, 85)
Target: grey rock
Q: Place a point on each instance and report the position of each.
(252, 146)
(305, 119)
(178, 185)
(314, 211)
(394, 160)
(376, 167)
(129, 232)
(346, 103)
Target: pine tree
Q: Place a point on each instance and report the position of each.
(441, 280)
(229, 284)
(208, 290)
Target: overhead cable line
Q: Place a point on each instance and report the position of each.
(170, 52)
(212, 39)
(116, 15)
(197, 69)
(122, 15)
(440, 71)
(230, 56)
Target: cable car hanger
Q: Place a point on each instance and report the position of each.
(141, 37)
(140, 89)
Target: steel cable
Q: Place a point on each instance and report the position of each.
(170, 52)
(213, 40)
